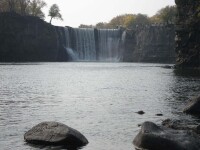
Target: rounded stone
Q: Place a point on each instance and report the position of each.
(153, 137)
(54, 133)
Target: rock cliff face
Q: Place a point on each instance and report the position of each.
(188, 33)
(153, 43)
(26, 39)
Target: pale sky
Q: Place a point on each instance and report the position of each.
(76, 12)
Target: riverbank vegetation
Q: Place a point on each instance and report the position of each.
(24, 7)
(165, 15)
(30, 8)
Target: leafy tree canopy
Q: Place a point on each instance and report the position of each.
(35, 8)
(126, 20)
(54, 12)
(86, 26)
(141, 19)
(165, 15)
(101, 25)
(23, 7)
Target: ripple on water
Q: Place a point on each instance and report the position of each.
(98, 99)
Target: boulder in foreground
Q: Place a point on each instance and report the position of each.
(54, 133)
(153, 137)
(193, 107)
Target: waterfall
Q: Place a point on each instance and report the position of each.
(85, 44)
(82, 44)
(109, 44)
(68, 45)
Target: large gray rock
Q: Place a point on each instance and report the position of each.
(54, 133)
(193, 107)
(153, 137)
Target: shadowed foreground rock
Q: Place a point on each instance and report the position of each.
(153, 137)
(193, 107)
(54, 133)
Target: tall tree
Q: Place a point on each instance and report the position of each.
(54, 12)
(23, 5)
(125, 20)
(117, 21)
(3, 5)
(35, 8)
(85, 26)
(165, 15)
(129, 21)
(101, 25)
(9, 5)
(12, 5)
(141, 19)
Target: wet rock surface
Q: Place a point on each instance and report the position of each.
(54, 133)
(159, 114)
(141, 112)
(153, 137)
(150, 43)
(193, 107)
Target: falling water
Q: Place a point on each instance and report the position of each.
(85, 44)
(91, 44)
(109, 44)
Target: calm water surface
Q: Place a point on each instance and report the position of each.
(98, 99)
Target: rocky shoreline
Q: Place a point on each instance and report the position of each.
(172, 134)
(179, 134)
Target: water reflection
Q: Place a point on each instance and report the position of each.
(15, 64)
(53, 147)
(186, 85)
(187, 72)
(98, 99)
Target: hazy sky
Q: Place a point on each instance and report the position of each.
(76, 12)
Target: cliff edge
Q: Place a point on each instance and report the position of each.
(188, 34)
(26, 38)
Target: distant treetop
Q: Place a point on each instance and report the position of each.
(54, 12)
(165, 15)
(29, 7)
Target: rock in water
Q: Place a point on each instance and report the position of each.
(193, 107)
(54, 133)
(141, 112)
(153, 137)
(159, 114)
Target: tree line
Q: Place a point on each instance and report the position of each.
(30, 8)
(165, 15)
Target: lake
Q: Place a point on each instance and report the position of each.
(98, 99)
